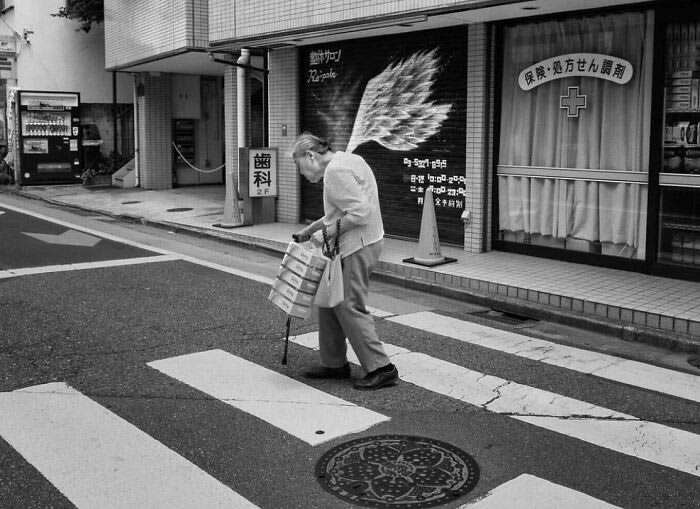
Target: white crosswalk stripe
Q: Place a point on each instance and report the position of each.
(600, 426)
(534, 493)
(302, 411)
(29, 271)
(97, 459)
(647, 376)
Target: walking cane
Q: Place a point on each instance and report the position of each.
(298, 239)
(286, 341)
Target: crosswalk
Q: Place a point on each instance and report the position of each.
(600, 426)
(98, 459)
(674, 383)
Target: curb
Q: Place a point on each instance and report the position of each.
(250, 242)
(622, 330)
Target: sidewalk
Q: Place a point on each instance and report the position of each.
(629, 305)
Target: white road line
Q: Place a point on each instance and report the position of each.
(67, 238)
(530, 492)
(302, 411)
(176, 256)
(97, 459)
(596, 425)
(379, 313)
(229, 270)
(640, 374)
(30, 271)
(85, 229)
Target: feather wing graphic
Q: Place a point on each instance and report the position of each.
(396, 110)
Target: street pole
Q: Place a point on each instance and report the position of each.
(232, 211)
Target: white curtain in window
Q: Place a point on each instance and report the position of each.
(611, 133)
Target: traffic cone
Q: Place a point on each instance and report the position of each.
(429, 253)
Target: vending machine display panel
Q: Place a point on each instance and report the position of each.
(50, 137)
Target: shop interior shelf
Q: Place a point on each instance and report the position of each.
(682, 226)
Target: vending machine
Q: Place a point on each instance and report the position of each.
(49, 137)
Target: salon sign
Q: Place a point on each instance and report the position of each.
(593, 65)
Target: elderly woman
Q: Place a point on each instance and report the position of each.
(349, 194)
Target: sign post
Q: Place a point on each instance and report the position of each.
(258, 181)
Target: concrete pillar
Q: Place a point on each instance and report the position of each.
(479, 153)
(283, 84)
(155, 132)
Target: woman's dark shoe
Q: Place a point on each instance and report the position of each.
(322, 372)
(382, 377)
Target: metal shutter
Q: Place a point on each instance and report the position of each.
(418, 81)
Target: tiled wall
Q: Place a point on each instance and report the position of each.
(247, 18)
(283, 111)
(154, 128)
(198, 25)
(491, 130)
(283, 124)
(231, 121)
(478, 136)
(139, 29)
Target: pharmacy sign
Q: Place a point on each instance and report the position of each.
(593, 65)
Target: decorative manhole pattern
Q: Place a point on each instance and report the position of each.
(397, 471)
(179, 209)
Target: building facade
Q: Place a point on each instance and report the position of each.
(550, 128)
(41, 52)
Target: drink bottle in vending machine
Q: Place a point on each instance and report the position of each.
(49, 137)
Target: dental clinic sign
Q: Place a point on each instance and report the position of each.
(593, 65)
(262, 172)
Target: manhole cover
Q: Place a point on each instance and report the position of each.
(505, 317)
(130, 202)
(397, 471)
(694, 360)
(180, 209)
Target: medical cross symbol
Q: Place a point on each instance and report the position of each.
(572, 103)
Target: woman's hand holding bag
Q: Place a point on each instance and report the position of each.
(330, 291)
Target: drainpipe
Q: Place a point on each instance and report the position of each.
(137, 172)
(244, 59)
(232, 210)
(241, 95)
(115, 138)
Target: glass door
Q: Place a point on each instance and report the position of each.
(679, 180)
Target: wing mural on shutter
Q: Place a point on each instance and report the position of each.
(396, 110)
(399, 101)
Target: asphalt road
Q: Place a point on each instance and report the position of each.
(126, 297)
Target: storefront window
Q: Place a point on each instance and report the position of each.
(574, 138)
(679, 225)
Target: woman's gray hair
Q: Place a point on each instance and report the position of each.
(307, 141)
